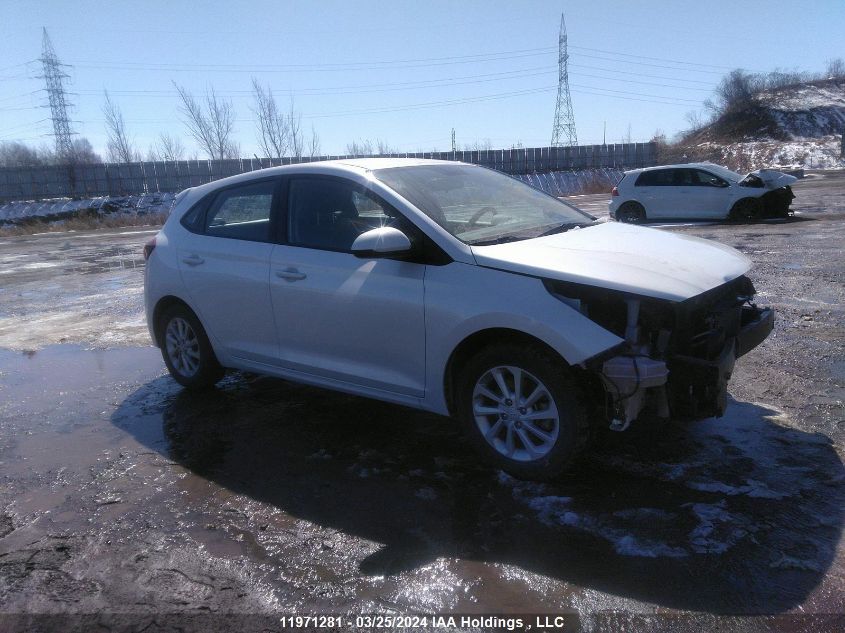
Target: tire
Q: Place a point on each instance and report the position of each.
(186, 349)
(745, 210)
(494, 422)
(631, 213)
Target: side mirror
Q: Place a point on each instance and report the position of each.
(385, 241)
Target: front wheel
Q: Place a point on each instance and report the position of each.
(187, 351)
(745, 210)
(522, 411)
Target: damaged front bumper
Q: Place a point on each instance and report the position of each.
(698, 388)
(684, 385)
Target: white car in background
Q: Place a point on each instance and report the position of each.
(700, 191)
(450, 288)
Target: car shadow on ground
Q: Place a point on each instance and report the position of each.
(738, 515)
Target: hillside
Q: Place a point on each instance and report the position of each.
(796, 125)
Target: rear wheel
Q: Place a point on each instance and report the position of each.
(186, 349)
(745, 210)
(522, 412)
(632, 213)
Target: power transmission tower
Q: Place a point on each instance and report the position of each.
(54, 77)
(564, 130)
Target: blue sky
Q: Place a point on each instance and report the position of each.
(403, 72)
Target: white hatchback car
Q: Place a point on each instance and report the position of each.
(451, 288)
(700, 191)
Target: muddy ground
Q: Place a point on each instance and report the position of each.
(131, 504)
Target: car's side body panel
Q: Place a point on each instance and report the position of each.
(462, 300)
(356, 320)
(230, 292)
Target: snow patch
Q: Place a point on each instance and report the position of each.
(717, 531)
(60, 209)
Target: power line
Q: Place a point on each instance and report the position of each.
(638, 94)
(404, 86)
(639, 74)
(659, 59)
(335, 67)
(4, 68)
(587, 90)
(625, 61)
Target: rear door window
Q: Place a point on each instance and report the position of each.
(684, 178)
(242, 213)
(656, 178)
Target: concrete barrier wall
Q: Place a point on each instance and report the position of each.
(39, 183)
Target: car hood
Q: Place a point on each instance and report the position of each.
(772, 178)
(616, 256)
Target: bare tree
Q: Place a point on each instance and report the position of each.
(168, 148)
(16, 154)
(211, 124)
(693, 118)
(314, 144)
(382, 147)
(360, 147)
(477, 146)
(836, 68)
(83, 152)
(736, 92)
(118, 146)
(273, 126)
(295, 126)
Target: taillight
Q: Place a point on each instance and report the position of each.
(614, 191)
(148, 248)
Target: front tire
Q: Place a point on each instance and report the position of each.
(746, 210)
(186, 349)
(522, 411)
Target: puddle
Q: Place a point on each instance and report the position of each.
(327, 501)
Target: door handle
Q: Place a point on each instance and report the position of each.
(193, 260)
(290, 274)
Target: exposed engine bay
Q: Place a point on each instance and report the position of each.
(677, 357)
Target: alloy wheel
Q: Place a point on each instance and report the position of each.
(183, 347)
(515, 413)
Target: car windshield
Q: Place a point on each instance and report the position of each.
(480, 206)
(725, 173)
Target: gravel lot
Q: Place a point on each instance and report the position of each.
(131, 503)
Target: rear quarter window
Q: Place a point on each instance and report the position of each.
(655, 178)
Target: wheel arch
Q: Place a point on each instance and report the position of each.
(477, 341)
(161, 307)
(754, 200)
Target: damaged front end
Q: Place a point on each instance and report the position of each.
(677, 357)
(775, 202)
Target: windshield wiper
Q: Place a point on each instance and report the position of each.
(563, 228)
(502, 239)
(560, 228)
